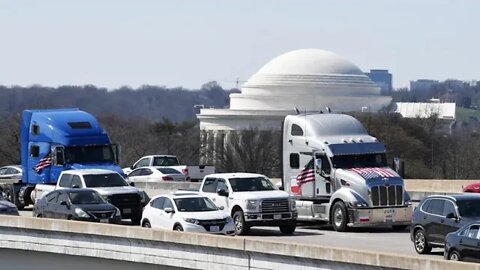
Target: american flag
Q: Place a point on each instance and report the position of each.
(369, 173)
(42, 164)
(307, 174)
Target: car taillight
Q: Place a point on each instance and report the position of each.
(185, 171)
(167, 178)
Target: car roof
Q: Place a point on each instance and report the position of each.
(12, 166)
(456, 197)
(236, 175)
(171, 156)
(76, 190)
(181, 194)
(89, 171)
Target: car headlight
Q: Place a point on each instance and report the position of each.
(81, 213)
(118, 213)
(191, 220)
(252, 205)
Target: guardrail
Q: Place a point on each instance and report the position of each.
(189, 250)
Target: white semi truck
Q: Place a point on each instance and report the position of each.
(339, 174)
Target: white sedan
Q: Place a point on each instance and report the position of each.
(155, 174)
(189, 212)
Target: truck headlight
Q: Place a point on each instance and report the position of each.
(81, 213)
(252, 205)
(191, 220)
(357, 204)
(293, 204)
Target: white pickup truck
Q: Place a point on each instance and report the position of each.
(109, 184)
(251, 200)
(194, 173)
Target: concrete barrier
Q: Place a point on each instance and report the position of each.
(194, 251)
(438, 185)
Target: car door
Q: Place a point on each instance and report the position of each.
(433, 223)
(448, 225)
(50, 204)
(470, 243)
(155, 215)
(135, 175)
(62, 211)
(168, 219)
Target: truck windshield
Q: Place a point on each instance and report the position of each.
(359, 161)
(251, 184)
(165, 161)
(89, 154)
(85, 197)
(104, 180)
(469, 208)
(195, 205)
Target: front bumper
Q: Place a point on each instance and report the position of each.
(270, 219)
(228, 228)
(380, 216)
(114, 220)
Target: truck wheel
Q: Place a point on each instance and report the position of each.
(239, 220)
(10, 195)
(288, 229)
(421, 243)
(339, 217)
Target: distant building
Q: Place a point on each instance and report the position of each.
(426, 110)
(422, 85)
(382, 78)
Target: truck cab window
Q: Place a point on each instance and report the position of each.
(65, 181)
(34, 151)
(296, 130)
(221, 185)
(209, 185)
(76, 181)
(35, 129)
(294, 161)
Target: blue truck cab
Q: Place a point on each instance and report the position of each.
(56, 140)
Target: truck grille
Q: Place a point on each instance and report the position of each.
(387, 195)
(213, 222)
(275, 206)
(102, 214)
(121, 200)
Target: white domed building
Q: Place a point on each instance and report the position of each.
(306, 79)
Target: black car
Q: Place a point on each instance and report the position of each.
(7, 208)
(436, 216)
(464, 244)
(77, 204)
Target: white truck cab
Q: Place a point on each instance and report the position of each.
(251, 200)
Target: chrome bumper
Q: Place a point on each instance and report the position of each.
(270, 216)
(380, 216)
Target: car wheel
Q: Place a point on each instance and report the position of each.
(339, 217)
(9, 195)
(178, 227)
(40, 216)
(454, 256)
(288, 229)
(239, 220)
(146, 224)
(399, 227)
(420, 242)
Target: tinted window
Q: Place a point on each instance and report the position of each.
(62, 197)
(104, 180)
(35, 151)
(359, 161)
(89, 154)
(85, 197)
(165, 161)
(168, 171)
(65, 181)
(167, 203)
(195, 204)
(473, 232)
(158, 203)
(251, 184)
(3, 171)
(136, 172)
(146, 172)
(294, 161)
(142, 163)
(436, 207)
(296, 130)
(52, 197)
(11, 171)
(425, 205)
(76, 181)
(209, 185)
(449, 209)
(469, 208)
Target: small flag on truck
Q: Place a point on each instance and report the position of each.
(42, 164)
(307, 174)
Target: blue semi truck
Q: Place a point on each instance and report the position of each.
(53, 141)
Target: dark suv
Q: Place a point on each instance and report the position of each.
(436, 216)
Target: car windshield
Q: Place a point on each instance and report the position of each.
(251, 184)
(359, 161)
(168, 171)
(165, 161)
(85, 197)
(104, 180)
(89, 154)
(196, 204)
(469, 208)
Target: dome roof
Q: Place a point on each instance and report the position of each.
(310, 62)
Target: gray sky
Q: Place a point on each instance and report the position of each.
(111, 43)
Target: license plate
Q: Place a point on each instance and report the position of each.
(103, 220)
(277, 216)
(127, 211)
(214, 228)
(389, 215)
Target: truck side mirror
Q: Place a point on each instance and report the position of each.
(318, 166)
(222, 192)
(59, 156)
(117, 151)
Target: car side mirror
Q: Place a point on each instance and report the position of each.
(75, 186)
(222, 192)
(221, 208)
(132, 184)
(65, 203)
(168, 210)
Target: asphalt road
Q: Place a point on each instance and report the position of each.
(371, 239)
